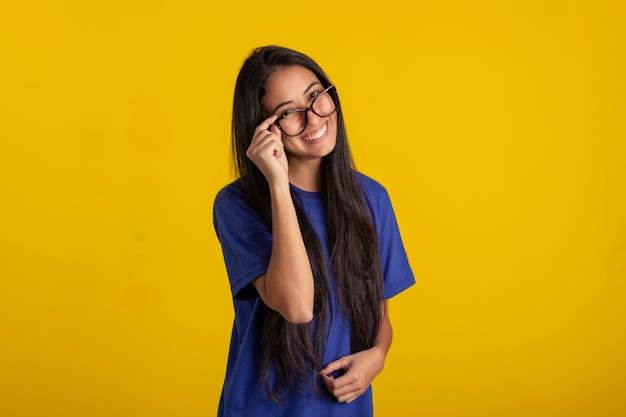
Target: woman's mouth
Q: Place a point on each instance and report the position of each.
(317, 134)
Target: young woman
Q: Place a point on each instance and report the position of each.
(311, 247)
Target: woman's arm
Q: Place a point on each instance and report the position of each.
(287, 287)
(360, 368)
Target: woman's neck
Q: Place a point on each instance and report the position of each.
(307, 175)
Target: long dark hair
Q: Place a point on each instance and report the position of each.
(294, 351)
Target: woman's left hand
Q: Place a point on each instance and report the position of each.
(359, 369)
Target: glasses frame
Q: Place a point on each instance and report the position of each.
(306, 111)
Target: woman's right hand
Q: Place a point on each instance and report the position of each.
(267, 152)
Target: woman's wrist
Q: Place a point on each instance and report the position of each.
(279, 186)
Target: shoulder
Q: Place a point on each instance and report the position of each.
(373, 190)
(231, 202)
(232, 196)
(376, 197)
(234, 190)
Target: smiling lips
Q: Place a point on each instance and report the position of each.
(316, 135)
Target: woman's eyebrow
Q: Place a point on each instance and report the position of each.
(284, 103)
(310, 86)
(314, 83)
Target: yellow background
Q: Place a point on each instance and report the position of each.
(497, 127)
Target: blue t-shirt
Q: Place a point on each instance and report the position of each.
(247, 245)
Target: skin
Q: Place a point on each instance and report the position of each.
(291, 88)
(360, 368)
(288, 285)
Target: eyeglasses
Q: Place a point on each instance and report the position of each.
(294, 121)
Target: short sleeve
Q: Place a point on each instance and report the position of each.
(397, 273)
(246, 241)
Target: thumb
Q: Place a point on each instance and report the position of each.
(341, 363)
(275, 130)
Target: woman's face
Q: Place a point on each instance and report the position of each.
(295, 87)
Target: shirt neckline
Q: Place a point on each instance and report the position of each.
(304, 193)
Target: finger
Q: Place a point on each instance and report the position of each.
(339, 391)
(261, 141)
(345, 380)
(341, 363)
(345, 390)
(348, 398)
(337, 384)
(274, 129)
(259, 135)
(347, 394)
(267, 123)
(329, 381)
(267, 149)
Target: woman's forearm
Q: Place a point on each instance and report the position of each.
(287, 287)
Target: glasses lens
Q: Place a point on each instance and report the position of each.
(324, 105)
(294, 123)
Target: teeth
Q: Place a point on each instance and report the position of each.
(316, 135)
